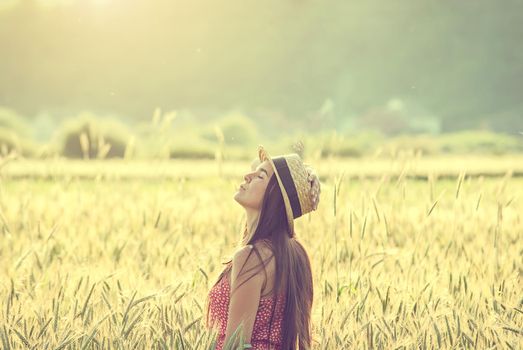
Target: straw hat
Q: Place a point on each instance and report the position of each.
(298, 183)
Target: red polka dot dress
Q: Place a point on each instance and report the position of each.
(219, 297)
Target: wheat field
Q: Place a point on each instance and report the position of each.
(399, 261)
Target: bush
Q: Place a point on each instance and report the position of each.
(14, 134)
(91, 137)
(426, 144)
(479, 142)
(10, 120)
(237, 130)
(465, 142)
(334, 144)
(10, 141)
(193, 152)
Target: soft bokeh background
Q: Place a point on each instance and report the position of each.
(260, 71)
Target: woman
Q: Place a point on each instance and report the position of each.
(264, 295)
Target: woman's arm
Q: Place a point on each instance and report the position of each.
(245, 294)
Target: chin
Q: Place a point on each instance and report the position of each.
(235, 197)
(240, 201)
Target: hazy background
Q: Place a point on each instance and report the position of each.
(411, 113)
(259, 70)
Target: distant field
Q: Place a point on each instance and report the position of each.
(402, 165)
(411, 252)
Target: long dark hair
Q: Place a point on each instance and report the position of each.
(293, 275)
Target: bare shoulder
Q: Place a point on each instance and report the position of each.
(264, 248)
(244, 259)
(242, 255)
(258, 264)
(244, 267)
(247, 259)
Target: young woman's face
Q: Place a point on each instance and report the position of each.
(250, 193)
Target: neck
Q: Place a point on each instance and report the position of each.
(252, 220)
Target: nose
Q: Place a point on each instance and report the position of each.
(247, 177)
